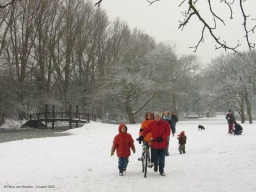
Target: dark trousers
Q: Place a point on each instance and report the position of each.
(182, 149)
(174, 128)
(159, 158)
(237, 132)
(122, 163)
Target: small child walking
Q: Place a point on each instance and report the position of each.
(122, 144)
(182, 141)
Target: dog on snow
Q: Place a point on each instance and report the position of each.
(201, 127)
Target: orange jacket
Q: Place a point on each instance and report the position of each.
(144, 124)
(122, 143)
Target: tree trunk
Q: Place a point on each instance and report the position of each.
(130, 113)
(242, 112)
(249, 107)
(249, 112)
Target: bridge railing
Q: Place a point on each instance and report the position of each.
(63, 115)
(70, 116)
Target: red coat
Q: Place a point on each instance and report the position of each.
(122, 143)
(158, 129)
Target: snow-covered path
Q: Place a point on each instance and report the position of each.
(81, 162)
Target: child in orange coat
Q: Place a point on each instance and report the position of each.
(122, 144)
(182, 141)
(144, 124)
(148, 137)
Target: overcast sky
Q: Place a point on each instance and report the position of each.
(161, 21)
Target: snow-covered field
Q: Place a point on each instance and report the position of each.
(81, 162)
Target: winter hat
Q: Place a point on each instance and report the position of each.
(182, 132)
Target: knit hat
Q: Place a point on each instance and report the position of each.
(182, 132)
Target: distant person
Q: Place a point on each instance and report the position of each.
(167, 117)
(122, 143)
(174, 121)
(160, 130)
(148, 137)
(231, 119)
(238, 129)
(182, 142)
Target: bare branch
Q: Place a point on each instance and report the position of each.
(182, 2)
(151, 2)
(209, 1)
(193, 11)
(201, 40)
(98, 3)
(229, 6)
(11, 2)
(250, 45)
(182, 24)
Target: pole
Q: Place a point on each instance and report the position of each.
(76, 115)
(53, 116)
(46, 115)
(70, 117)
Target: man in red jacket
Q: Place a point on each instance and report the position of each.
(160, 131)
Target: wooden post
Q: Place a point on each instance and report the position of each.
(53, 116)
(70, 117)
(88, 118)
(38, 118)
(46, 116)
(76, 115)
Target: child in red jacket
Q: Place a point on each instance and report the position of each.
(182, 141)
(122, 144)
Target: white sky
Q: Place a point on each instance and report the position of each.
(81, 162)
(161, 21)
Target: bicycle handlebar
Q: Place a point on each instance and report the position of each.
(153, 140)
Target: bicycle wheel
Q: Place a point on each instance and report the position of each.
(146, 165)
(143, 162)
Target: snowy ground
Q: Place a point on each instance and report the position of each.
(81, 162)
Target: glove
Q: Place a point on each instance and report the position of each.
(134, 150)
(160, 139)
(140, 139)
(112, 153)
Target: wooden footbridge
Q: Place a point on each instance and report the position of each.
(36, 120)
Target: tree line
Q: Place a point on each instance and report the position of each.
(68, 52)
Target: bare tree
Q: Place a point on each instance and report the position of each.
(230, 83)
(192, 10)
(5, 4)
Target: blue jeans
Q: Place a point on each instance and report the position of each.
(174, 127)
(238, 132)
(159, 158)
(122, 163)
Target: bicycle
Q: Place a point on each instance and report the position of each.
(145, 157)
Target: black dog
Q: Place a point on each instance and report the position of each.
(201, 127)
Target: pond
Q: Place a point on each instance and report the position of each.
(7, 135)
